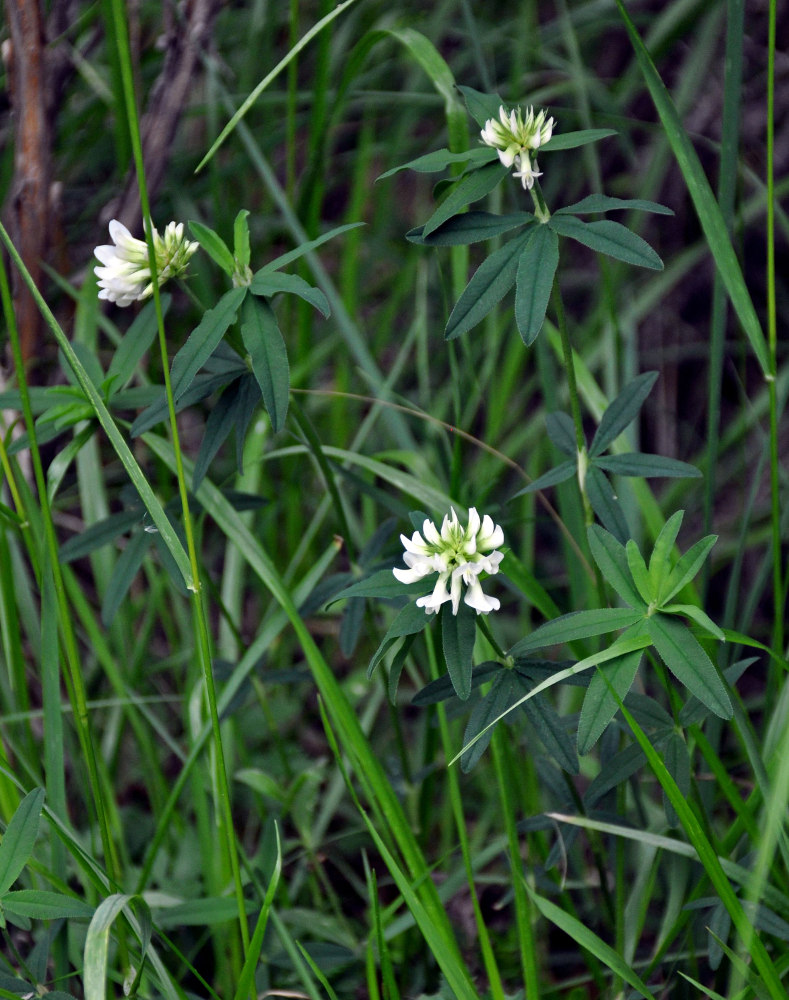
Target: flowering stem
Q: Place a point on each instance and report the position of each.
(484, 626)
(202, 634)
(540, 206)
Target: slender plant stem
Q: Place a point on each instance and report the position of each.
(202, 636)
(772, 340)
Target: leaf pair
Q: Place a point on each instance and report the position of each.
(596, 466)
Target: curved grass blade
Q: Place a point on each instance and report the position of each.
(269, 77)
(707, 208)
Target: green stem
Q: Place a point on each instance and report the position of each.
(575, 404)
(772, 340)
(76, 687)
(202, 636)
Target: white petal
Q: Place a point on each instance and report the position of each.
(432, 602)
(475, 598)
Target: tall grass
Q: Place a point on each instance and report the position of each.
(233, 803)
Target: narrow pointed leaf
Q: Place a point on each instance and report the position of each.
(458, 633)
(600, 705)
(136, 341)
(561, 431)
(20, 838)
(214, 246)
(610, 556)
(687, 567)
(204, 340)
(577, 625)
(491, 281)
(241, 251)
(588, 940)
(268, 354)
(481, 106)
(39, 904)
(491, 707)
(383, 584)
(470, 188)
(440, 159)
(675, 756)
(609, 238)
(410, 619)
(534, 281)
(126, 568)
(552, 731)
(596, 203)
(660, 560)
(617, 769)
(269, 283)
(685, 658)
(701, 618)
(605, 503)
(638, 570)
(647, 466)
(469, 227)
(217, 429)
(560, 474)
(622, 411)
(572, 140)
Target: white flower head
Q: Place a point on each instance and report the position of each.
(458, 554)
(515, 136)
(126, 274)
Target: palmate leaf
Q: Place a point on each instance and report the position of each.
(639, 572)
(610, 238)
(472, 186)
(534, 280)
(490, 283)
(685, 658)
(458, 632)
(469, 227)
(550, 727)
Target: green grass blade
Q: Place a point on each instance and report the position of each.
(700, 191)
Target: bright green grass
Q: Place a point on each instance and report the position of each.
(232, 806)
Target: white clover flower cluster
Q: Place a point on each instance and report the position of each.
(458, 555)
(517, 138)
(126, 274)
